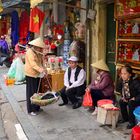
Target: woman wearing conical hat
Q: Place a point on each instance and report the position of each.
(33, 70)
(102, 87)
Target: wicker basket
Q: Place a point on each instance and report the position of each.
(44, 102)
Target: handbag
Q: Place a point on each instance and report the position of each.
(87, 100)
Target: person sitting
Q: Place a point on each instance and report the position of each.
(129, 87)
(74, 83)
(102, 87)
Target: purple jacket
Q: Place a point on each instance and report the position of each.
(105, 84)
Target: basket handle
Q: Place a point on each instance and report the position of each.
(40, 84)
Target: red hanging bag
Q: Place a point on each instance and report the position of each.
(87, 100)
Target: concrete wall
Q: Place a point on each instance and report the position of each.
(98, 45)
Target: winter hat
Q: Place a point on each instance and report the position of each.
(73, 58)
(100, 65)
(38, 42)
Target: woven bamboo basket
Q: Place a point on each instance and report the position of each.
(44, 102)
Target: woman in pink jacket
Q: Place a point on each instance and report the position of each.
(102, 87)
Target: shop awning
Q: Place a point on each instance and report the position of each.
(8, 3)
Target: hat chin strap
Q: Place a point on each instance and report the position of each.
(37, 51)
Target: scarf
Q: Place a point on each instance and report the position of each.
(125, 90)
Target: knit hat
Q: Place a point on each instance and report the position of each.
(73, 58)
(100, 65)
(38, 42)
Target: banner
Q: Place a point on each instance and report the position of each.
(36, 20)
(35, 2)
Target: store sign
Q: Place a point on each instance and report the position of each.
(127, 8)
(35, 2)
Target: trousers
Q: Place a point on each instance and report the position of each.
(127, 114)
(72, 94)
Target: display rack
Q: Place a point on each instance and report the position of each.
(128, 42)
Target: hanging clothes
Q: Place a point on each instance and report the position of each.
(23, 27)
(14, 27)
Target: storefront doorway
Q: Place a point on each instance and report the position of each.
(110, 40)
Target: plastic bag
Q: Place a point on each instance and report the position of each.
(12, 71)
(20, 75)
(87, 100)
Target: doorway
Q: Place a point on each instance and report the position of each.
(110, 40)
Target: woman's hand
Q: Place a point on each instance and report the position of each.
(87, 89)
(124, 100)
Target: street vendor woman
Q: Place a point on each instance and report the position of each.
(129, 87)
(33, 71)
(74, 83)
(102, 87)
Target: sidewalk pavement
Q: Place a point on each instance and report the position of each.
(57, 123)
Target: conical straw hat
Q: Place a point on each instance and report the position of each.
(38, 42)
(100, 65)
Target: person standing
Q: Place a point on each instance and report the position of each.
(129, 87)
(74, 83)
(33, 70)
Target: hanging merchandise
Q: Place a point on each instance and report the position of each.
(66, 52)
(3, 27)
(14, 27)
(135, 28)
(23, 27)
(77, 48)
(80, 30)
(36, 20)
(8, 38)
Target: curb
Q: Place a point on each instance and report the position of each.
(28, 128)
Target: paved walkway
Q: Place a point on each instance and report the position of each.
(57, 123)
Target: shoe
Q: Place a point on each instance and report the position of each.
(130, 126)
(62, 104)
(76, 105)
(33, 114)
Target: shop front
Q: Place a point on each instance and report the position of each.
(64, 33)
(127, 16)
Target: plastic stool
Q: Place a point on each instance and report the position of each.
(135, 133)
(104, 101)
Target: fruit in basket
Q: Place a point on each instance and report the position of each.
(41, 94)
(36, 96)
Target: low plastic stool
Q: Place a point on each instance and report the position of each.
(135, 133)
